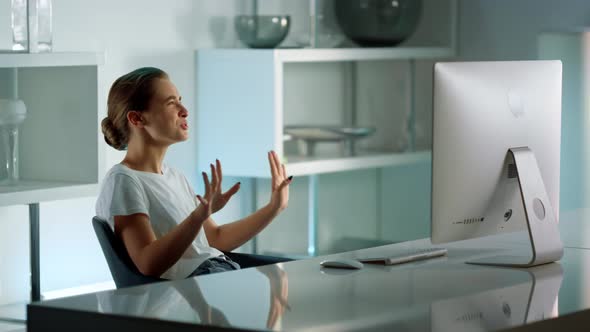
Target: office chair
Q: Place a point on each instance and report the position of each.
(124, 272)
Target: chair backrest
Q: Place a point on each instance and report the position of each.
(124, 272)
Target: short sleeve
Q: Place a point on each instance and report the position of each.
(190, 190)
(128, 197)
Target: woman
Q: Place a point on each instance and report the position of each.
(152, 207)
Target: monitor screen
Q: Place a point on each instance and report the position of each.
(481, 111)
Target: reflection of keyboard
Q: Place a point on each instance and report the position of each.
(408, 256)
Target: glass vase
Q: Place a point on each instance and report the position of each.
(32, 25)
(19, 24)
(9, 138)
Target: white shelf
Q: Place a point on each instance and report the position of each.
(298, 166)
(13, 312)
(361, 54)
(300, 55)
(30, 191)
(57, 59)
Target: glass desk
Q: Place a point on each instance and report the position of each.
(442, 294)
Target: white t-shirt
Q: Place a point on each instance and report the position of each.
(167, 199)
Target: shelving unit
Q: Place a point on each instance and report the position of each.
(59, 157)
(59, 142)
(242, 100)
(253, 119)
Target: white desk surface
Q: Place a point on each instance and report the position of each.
(442, 294)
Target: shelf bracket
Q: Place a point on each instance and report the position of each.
(35, 252)
(312, 215)
(411, 125)
(253, 208)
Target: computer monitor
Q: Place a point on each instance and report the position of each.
(495, 154)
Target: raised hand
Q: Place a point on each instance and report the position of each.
(279, 198)
(203, 211)
(213, 193)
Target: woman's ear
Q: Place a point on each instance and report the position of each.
(135, 119)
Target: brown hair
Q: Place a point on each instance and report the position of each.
(130, 92)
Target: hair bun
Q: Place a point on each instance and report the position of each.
(112, 136)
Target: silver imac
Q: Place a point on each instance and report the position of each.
(495, 155)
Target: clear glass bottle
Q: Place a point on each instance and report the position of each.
(40, 26)
(327, 31)
(32, 25)
(19, 24)
(323, 30)
(12, 115)
(44, 25)
(9, 138)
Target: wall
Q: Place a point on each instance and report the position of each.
(509, 30)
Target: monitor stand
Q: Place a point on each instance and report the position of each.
(542, 226)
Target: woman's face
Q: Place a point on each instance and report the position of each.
(166, 118)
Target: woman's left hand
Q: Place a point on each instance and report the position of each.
(279, 198)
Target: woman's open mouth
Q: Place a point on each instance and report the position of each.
(184, 126)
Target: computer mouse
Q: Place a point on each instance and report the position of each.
(342, 263)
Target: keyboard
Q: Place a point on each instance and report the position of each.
(406, 256)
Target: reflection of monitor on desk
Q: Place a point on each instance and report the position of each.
(504, 307)
(496, 150)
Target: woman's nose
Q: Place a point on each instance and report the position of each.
(183, 111)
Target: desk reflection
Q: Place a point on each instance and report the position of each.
(434, 297)
(526, 302)
(169, 302)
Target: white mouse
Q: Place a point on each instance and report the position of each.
(342, 263)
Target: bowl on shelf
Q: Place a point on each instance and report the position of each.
(309, 136)
(378, 23)
(262, 31)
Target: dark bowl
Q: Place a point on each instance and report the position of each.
(378, 23)
(262, 31)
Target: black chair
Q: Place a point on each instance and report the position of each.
(124, 272)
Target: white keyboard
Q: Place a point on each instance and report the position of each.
(407, 256)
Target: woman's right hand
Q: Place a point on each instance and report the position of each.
(203, 211)
(214, 190)
(214, 200)
(205, 208)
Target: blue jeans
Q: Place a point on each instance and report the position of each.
(251, 260)
(215, 265)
